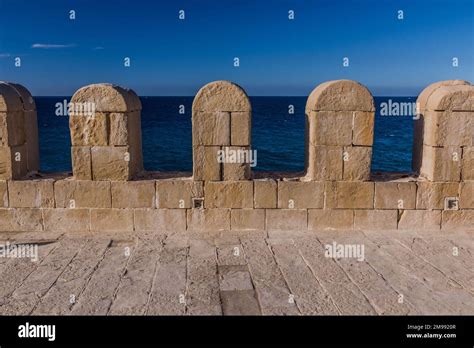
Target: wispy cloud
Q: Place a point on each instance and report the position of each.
(5, 55)
(99, 48)
(41, 45)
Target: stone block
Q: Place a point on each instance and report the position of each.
(330, 219)
(247, 219)
(160, 220)
(12, 128)
(324, 163)
(31, 194)
(178, 193)
(286, 219)
(112, 163)
(211, 128)
(228, 194)
(21, 220)
(81, 162)
(395, 195)
(466, 197)
(241, 127)
(265, 193)
(238, 167)
(117, 220)
(89, 130)
(363, 128)
(205, 163)
(375, 219)
(13, 162)
(356, 163)
(66, 220)
(3, 194)
(458, 220)
(300, 194)
(133, 194)
(444, 128)
(125, 129)
(349, 195)
(82, 194)
(441, 163)
(330, 128)
(416, 220)
(221, 96)
(208, 219)
(431, 195)
(467, 170)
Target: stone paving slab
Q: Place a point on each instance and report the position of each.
(240, 273)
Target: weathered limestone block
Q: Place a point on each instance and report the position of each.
(467, 169)
(221, 96)
(363, 128)
(82, 162)
(160, 220)
(112, 163)
(330, 219)
(21, 220)
(31, 194)
(349, 195)
(205, 163)
(13, 162)
(451, 98)
(327, 164)
(286, 219)
(416, 220)
(116, 220)
(208, 219)
(211, 128)
(395, 195)
(89, 130)
(466, 197)
(66, 220)
(445, 128)
(441, 163)
(300, 195)
(178, 193)
(221, 117)
(330, 128)
(133, 194)
(74, 194)
(239, 169)
(265, 193)
(228, 194)
(375, 219)
(3, 194)
(431, 195)
(241, 127)
(339, 114)
(111, 127)
(247, 219)
(356, 163)
(456, 220)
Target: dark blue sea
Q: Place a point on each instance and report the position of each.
(277, 135)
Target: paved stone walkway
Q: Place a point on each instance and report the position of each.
(240, 273)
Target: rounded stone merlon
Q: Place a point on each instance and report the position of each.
(25, 95)
(340, 95)
(108, 98)
(451, 98)
(428, 91)
(10, 98)
(222, 96)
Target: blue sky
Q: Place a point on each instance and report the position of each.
(277, 56)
